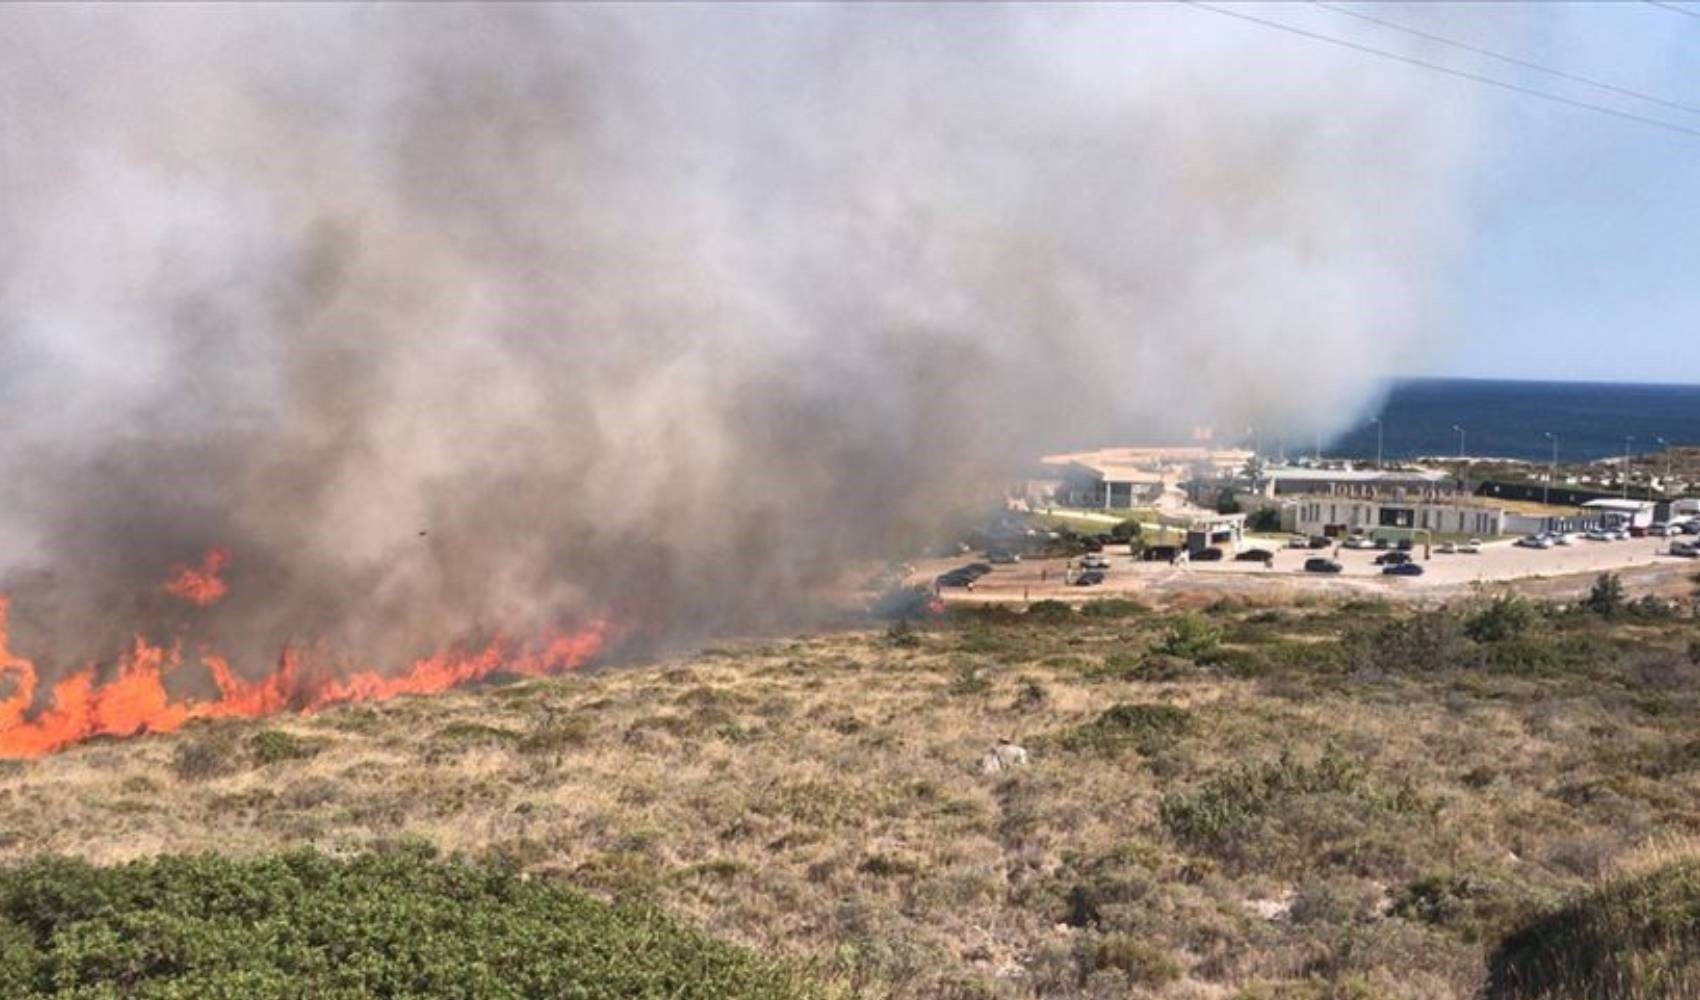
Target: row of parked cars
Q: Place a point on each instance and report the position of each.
(1392, 564)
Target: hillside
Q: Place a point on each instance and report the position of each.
(1328, 800)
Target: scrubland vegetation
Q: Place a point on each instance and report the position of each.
(1315, 801)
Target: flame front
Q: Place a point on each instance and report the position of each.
(135, 699)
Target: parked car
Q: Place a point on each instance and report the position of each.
(1660, 529)
(1382, 543)
(1535, 542)
(1320, 565)
(977, 570)
(1404, 545)
(1208, 554)
(1360, 542)
(1092, 545)
(1620, 535)
(1392, 559)
(1320, 541)
(1002, 557)
(1598, 535)
(1562, 538)
(1090, 578)
(1691, 527)
(1446, 548)
(1298, 542)
(1255, 555)
(1687, 550)
(1402, 569)
(1473, 547)
(1095, 561)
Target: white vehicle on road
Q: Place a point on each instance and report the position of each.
(1473, 547)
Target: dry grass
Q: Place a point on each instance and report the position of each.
(1294, 816)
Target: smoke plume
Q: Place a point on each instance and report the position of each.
(452, 320)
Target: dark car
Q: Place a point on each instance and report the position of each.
(1320, 541)
(955, 578)
(1322, 566)
(1002, 557)
(977, 570)
(1392, 559)
(1160, 553)
(1090, 578)
(1255, 555)
(1402, 569)
(1382, 543)
(1405, 545)
(1211, 554)
(1092, 545)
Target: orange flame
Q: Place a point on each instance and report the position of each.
(201, 587)
(135, 699)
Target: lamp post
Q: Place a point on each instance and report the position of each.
(1463, 469)
(1664, 486)
(1552, 473)
(1627, 441)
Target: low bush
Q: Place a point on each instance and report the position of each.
(385, 925)
(1146, 728)
(1633, 938)
(273, 746)
(1190, 636)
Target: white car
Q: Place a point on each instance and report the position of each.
(1359, 542)
(1535, 542)
(1562, 538)
(1298, 542)
(1094, 561)
(1619, 535)
(1473, 547)
(1446, 548)
(1598, 535)
(1660, 529)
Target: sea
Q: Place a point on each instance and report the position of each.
(1510, 419)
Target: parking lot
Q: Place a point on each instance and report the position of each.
(1500, 561)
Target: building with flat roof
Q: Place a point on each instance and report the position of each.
(1623, 513)
(1120, 478)
(1404, 484)
(1339, 516)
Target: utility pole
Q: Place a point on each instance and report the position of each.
(1546, 494)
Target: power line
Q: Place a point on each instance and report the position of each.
(1512, 60)
(1436, 67)
(1675, 8)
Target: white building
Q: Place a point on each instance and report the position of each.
(1622, 513)
(1338, 515)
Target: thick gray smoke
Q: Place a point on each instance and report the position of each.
(655, 311)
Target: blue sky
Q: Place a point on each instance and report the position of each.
(1581, 258)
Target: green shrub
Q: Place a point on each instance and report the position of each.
(1146, 728)
(1632, 938)
(1141, 961)
(1113, 607)
(1050, 611)
(306, 925)
(1230, 804)
(212, 755)
(1503, 618)
(1190, 636)
(272, 746)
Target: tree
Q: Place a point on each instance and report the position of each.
(1226, 503)
(1264, 519)
(1125, 531)
(1505, 618)
(1606, 597)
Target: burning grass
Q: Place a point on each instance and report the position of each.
(1325, 801)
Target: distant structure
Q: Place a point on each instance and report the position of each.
(1123, 478)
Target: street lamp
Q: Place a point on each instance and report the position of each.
(1546, 494)
(1627, 441)
(1460, 431)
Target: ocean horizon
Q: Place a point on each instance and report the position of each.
(1511, 418)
